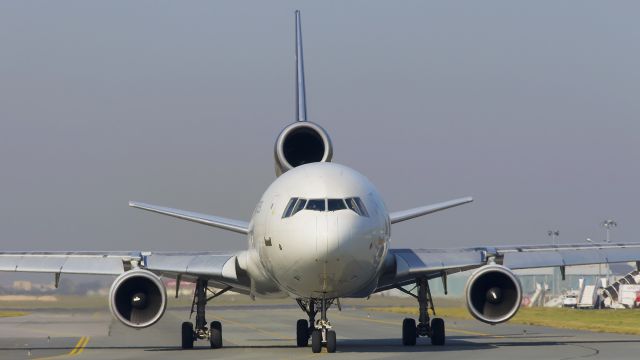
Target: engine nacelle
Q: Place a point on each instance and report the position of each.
(301, 143)
(138, 298)
(493, 294)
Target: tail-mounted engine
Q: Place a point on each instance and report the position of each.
(138, 298)
(493, 294)
(301, 143)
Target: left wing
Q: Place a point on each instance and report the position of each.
(403, 266)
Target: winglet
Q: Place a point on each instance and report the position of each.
(403, 215)
(301, 100)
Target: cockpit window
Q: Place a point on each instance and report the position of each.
(356, 204)
(363, 209)
(335, 204)
(316, 204)
(289, 209)
(297, 204)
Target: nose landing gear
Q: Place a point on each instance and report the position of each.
(433, 328)
(320, 330)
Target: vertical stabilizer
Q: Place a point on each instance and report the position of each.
(301, 100)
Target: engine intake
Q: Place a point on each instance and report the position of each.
(493, 294)
(138, 298)
(301, 143)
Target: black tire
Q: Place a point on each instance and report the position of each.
(187, 335)
(302, 333)
(316, 341)
(331, 341)
(409, 333)
(215, 335)
(437, 332)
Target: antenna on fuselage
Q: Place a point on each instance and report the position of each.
(301, 99)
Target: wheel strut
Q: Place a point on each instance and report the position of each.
(425, 303)
(433, 328)
(198, 306)
(320, 330)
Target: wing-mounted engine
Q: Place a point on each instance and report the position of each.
(301, 143)
(138, 298)
(493, 294)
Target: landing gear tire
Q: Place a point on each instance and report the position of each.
(187, 335)
(331, 341)
(316, 341)
(215, 335)
(409, 334)
(437, 331)
(302, 333)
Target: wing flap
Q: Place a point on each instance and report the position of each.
(219, 267)
(64, 263)
(207, 264)
(421, 260)
(216, 266)
(569, 256)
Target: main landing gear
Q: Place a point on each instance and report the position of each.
(435, 330)
(319, 331)
(213, 333)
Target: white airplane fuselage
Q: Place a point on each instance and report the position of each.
(315, 253)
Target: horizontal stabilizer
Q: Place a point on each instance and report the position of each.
(238, 226)
(398, 216)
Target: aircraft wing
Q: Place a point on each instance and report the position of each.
(403, 266)
(238, 226)
(219, 267)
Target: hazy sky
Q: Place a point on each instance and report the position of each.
(530, 107)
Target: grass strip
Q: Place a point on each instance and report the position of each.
(622, 321)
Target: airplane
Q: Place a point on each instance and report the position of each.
(320, 232)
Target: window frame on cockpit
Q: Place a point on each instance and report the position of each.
(357, 206)
(299, 207)
(318, 201)
(289, 208)
(353, 203)
(337, 201)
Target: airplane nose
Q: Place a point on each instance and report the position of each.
(330, 241)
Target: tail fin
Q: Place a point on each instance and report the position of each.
(301, 100)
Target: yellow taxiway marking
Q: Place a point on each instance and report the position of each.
(77, 350)
(80, 346)
(454, 330)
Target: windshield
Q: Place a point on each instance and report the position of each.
(354, 204)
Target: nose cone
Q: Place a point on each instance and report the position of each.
(331, 253)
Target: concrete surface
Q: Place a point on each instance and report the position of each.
(268, 332)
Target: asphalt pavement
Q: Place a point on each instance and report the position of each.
(268, 332)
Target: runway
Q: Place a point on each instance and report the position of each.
(268, 332)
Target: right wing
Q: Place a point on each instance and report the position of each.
(238, 226)
(221, 268)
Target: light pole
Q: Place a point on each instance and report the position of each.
(608, 225)
(599, 265)
(553, 234)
